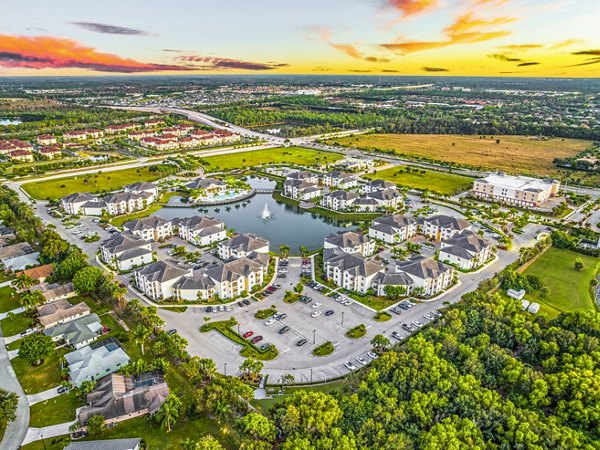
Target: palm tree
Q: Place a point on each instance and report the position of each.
(30, 299)
(208, 368)
(23, 281)
(141, 335)
(303, 251)
(169, 412)
(284, 250)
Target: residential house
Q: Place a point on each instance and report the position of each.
(126, 251)
(201, 230)
(350, 242)
(74, 135)
(429, 275)
(106, 444)
(50, 152)
(143, 187)
(303, 175)
(77, 333)
(465, 250)
(393, 228)
(60, 311)
(73, 203)
(21, 155)
(95, 361)
(300, 189)
(387, 198)
(339, 200)
(341, 180)
(93, 133)
(242, 245)
(351, 163)
(46, 139)
(209, 186)
(119, 397)
(351, 272)
(441, 227)
(39, 273)
(377, 185)
(17, 257)
(55, 291)
(127, 202)
(152, 228)
(393, 279)
(156, 280)
(365, 204)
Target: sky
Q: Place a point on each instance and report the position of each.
(537, 38)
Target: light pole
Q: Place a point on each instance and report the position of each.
(43, 442)
(239, 330)
(314, 336)
(311, 375)
(225, 369)
(342, 318)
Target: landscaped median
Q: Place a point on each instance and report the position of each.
(324, 349)
(383, 316)
(356, 332)
(249, 349)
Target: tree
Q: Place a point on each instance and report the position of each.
(288, 379)
(169, 412)
(284, 251)
(35, 347)
(141, 335)
(579, 265)
(96, 425)
(258, 427)
(85, 388)
(23, 281)
(73, 263)
(251, 367)
(303, 251)
(204, 443)
(31, 299)
(87, 279)
(394, 292)
(8, 407)
(380, 342)
(308, 413)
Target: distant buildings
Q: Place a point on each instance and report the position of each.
(242, 245)
(201, 230)
(520, 191)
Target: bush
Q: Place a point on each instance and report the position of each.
(356, 332)
(324, 349)
(383, 316)
(265, 313)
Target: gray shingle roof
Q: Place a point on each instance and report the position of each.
(163, 271)
(353, 264)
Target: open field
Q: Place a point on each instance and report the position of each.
(569, 289)
(93, 182)
(38, 379)
(9, 299)
(282, 155)
(56, 410)
(516, 154)
(439, 182)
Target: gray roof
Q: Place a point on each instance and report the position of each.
(344, 239)
(395, 221)
(301, 175)
(465, 243)
(246, 242)
(78, 197)
(343, 195)
(94, 204)
(203, 183)
(233, 269)
(16, 250)
(300, 184)
(423, 268)
(199, 222)
(78, 330)
(96, 360)
(125, 196)
(387, 194)
(338, 174)
(140, 186)
(163, 271)
(106, 444)
(354, 264)
(121, 242)
(133, 253)
(392, 279)
(145, 223)
(199, 281)
(382, 184)
(366, 201)
(448, 222)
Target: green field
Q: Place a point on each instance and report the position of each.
(93, 182)
(41, 378)
(440, 182)
(57, 410)
(287, 155)
(9, 300)
(569, 289)
(14, 325)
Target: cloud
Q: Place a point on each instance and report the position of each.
(466, 29)
(566, 43)
(525, 64)
(589, 62)
(109, 29)
(433, 69)
(360, 70)
(587, 52)
(353, 52)
(390, 71)
(521, 46)
(218, 63)
(502, 57)
(412, 7)
(44, 52)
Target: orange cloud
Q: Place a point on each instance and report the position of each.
(353, 52)
(43, 52)
(567, 43)
(466, 29)
(412, 7)
(521, 46)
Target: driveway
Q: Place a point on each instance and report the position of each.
(43, 396)
(36, 434)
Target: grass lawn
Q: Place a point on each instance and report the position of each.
(267, 403)
(57, 410)
(164, 198)
(41, 378)
(569, 289)
(12, 326)
(9, 299)
(357, 332)
(440, 182)
(287, 155)
(94, 182)
(517, 154)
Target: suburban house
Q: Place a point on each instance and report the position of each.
(226, 280)
(339, 200)
(55, 291)
(82, 203)
(126, 251)
(119, 397)
(106, 444)
(376, 185)
(152, 228)
(39, 273)
(201, 230)
(300, 189)
(242, 245)
(387, 198)
(428, 274)
(17, 257)
(440, 227)
(521, 191)
(60, 311)
(156, 280)
(466, 250)
(352, 272)
(393, 228)
(395, 279)
(50, 151)
(304, 175)
(127, 202)
(143, 187)
(95, 361)
(21, 155)
(350, 242)
(339, 179)
(77, 333)
(46, 139)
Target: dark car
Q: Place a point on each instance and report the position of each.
(301, 342)
(241, 304)
(331, 312)
(247, 334)
(406, 327)
(171, 331)
(62, 389)
(246, 301)
(256, 339)
(209, 309)
(284, 330)
(265, 346)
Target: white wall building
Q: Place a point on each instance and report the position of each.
(201, 230)
(393, 228)
(156, 280)
(521, 191)
(242, 245)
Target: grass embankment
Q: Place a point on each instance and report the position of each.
(93, 182)
(515, 154)
(282, 155)
(570, 290)
(439, 182)
(266, 404)
(324, 349)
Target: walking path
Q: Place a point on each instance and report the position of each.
(43, 396)
(19, 310)
(36, 434)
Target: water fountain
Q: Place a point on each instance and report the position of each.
(266, 214)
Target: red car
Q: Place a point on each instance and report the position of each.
(256, 339)
(247, 334)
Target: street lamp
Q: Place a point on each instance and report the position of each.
(225, 371)
(342, 318)
(314, 336)
(43, 442)
(239, 329)
(311, 375)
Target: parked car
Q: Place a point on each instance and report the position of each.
(372, 355)
(406, 327)
(397, 335)
(331, 312)
(256, 339)
(417, 324)
(28, 332)
(429, 316)
(270, 322)
(221, 308)
(241, 304)
(315, 314)
(246, 301)
(247, 334)
(171, 332)
(281, 316)
(265, 346)
(435, 312)
(209, 309)
(284, 330)
(301, 342)
(349, 365)
(316, 305)
(62, 389)
(361, 360)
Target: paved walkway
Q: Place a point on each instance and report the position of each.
(4, 315)
(43, 396)
(36, 434)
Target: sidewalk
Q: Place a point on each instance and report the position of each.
(36, 434)
(43, 396)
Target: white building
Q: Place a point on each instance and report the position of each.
(393, 228)
(339, 200)
(73, 203)
(339, 179)
(440, 227)
(428, 274)
(377, 185)
(126, 251)
(466, 250)
(384, 279)
(387, 198)
(150, 228)
(156, 280)
(350, 242)
(352, 272)
(201, 230)
(304, 175)
(143, 187)
(521, 191)
(127, 202)
(242, 245)
(301, 190)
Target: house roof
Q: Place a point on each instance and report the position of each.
(58, 310)
(465, 244)
(140, 186)
(423, 268)
(15, 250)
(95, 360)
(386, 194)
(447, 222)
(246, 242)
(382, 184)
(38, 272)
(343, 195)
(162, 271)
(106, 444)
(393, 279)
(145, 223)
(395, 221)
(300, 175)
(77, 331)
(344, 239)
(121, 242)
(78, 197)
(354, 264)
(205, 183)
(200, 222)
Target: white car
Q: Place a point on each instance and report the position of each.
(349, 365)
(361, 360)
(315, 314)
(348, 302)
(270, 322)
(428, 316)
(315, 305)
(228, 308)
(435, 312)
(417, 324)
(372, 355)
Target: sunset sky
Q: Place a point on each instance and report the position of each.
(388, 37)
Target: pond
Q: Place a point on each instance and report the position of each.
(10, 121)
(288, 225)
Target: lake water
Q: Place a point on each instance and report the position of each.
(288, 225)
(10, 121)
